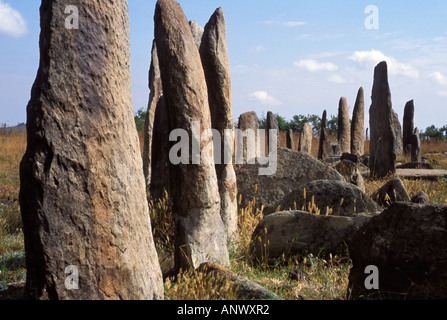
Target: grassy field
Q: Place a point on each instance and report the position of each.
(322, 280)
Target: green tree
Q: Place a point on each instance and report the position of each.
(432, 133)
(140, 118)
(332, 125)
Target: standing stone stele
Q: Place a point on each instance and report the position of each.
(415, 142)
(344, 127)
(216, 64)
(155, 95)
(306, 138)
(248, 125)
(197, 32)
(82, 197)
(358, 126)
(408, 126)
(199, 231)
(272, 124)
(324, 148)
(385, 129)
(290, 139)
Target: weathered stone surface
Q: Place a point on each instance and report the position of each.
(293, 169)
(408, 126)
(420, 198)
(351, 157)
(415, 142)
(197, 32)
(344, 126)
(199, 230)
(272, 124)
(156, 134)
(246, 289)
(394, 190)
(292, 233)
(216, 64)
(290, 140)
(407, 244)
(335, 150)
(351, 173)
(336, 198)
(386, 140)
(306, 138)
(415, 165)
(248, 124)
(156, 90)
(358, 126)
(324, 148)
(159, 178)
(82, 195)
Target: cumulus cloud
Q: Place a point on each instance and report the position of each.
(438, 77)
(315, 66)
(258, 48)
(11, 21)
(371, 58)
(264, 98)
(336, 79)
(289, 24)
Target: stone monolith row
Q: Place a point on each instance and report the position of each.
(216, 65)
(386, 140)
(199, 230)
(83, 203)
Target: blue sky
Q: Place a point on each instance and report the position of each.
(286, 56)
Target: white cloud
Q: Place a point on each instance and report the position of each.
(438, 77)
(264, 98)
(292, 24)
(11, 21)
(258, 48)
(289, 24)
(314, 66)
(336, 79)
(371, 58)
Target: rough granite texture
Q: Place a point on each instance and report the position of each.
(82, 195)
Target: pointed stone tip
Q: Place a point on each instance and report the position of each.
(343, 102)
(381, 73)
(382, 66)
(219, 11)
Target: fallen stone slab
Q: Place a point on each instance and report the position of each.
(424, 174)
(291, 233)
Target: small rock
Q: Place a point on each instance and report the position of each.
(421, 198)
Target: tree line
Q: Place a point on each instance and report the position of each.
(431, 133)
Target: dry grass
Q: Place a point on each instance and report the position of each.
(194, 285)
(326, 279)
(12, 148)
